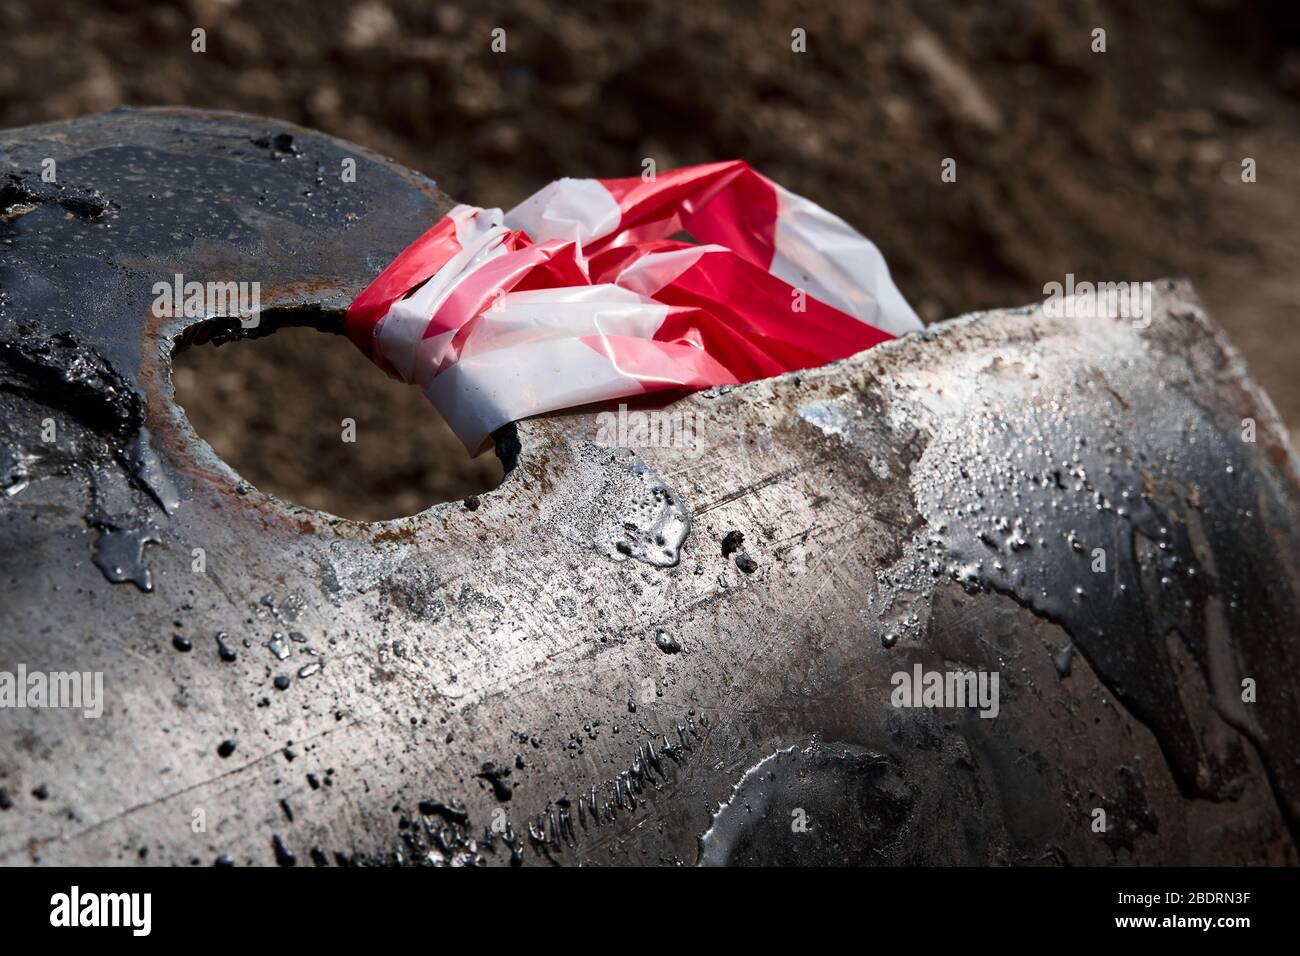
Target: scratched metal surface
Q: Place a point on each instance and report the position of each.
(938, 500)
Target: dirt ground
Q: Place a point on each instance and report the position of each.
(1122, 165)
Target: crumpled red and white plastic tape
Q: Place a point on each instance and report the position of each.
(580, 294)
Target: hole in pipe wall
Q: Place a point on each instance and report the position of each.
(272, 407)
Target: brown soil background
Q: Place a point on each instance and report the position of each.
(1123, 165)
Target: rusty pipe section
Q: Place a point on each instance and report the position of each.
(682, 634)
